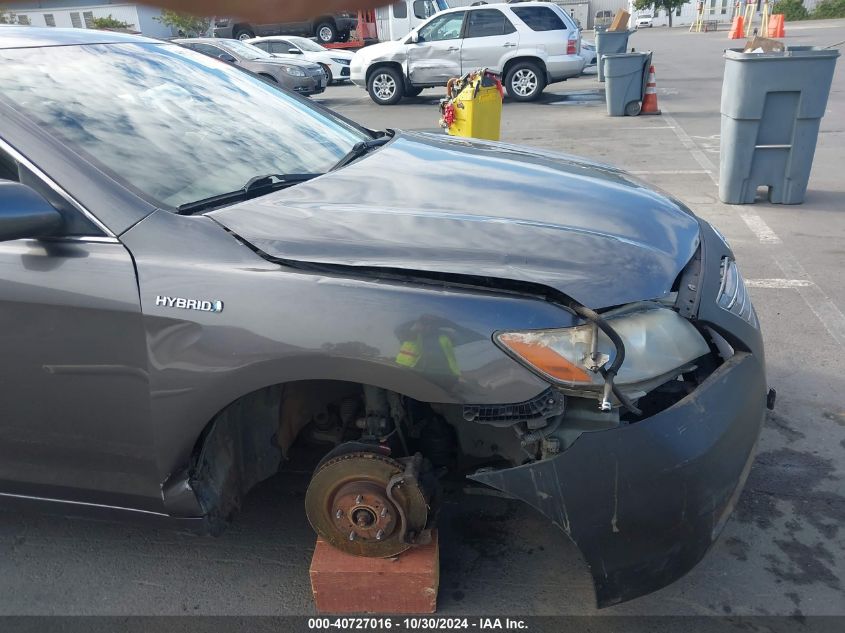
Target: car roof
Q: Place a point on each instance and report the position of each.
(498, 5)
(14, 36)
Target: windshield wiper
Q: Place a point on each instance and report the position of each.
(360, 149)
(254, 187)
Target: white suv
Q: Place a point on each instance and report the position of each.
(531, 44)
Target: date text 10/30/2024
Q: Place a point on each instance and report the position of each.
(416, 624)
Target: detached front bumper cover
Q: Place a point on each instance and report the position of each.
(645, 502)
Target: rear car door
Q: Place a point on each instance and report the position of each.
(436, 57)
(74, 388)
(490, 39)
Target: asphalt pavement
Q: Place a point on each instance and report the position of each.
(783, 552)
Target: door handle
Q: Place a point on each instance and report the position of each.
(509, 45)
(452, 49)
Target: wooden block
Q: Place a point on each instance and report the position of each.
(342, 583)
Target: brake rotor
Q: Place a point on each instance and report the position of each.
(348, 504)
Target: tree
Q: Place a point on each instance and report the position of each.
(792, 10)
(184, 24)
(668, 5)
(829, 9)
(111, 23)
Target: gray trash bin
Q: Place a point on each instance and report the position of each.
(772, 104)
(608, 43)
(625, 74)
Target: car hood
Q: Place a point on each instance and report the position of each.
(289, 61)
(337, 54)
(432, 203)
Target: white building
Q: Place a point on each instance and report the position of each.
(81, 14)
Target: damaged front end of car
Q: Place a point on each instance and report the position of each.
(593, 353)
(644, 482)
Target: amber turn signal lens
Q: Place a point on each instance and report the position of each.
(544, 359)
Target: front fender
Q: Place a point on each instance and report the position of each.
(280, 325)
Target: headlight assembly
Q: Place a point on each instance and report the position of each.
(338, 60)
(733, 295)
(659, 343)
(295, 72)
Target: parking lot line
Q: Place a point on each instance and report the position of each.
(778, 283)
(821, 305)
(757, 226)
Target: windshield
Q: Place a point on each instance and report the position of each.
(173, 125)
(442, 5)
(308, 45)
(244, 50)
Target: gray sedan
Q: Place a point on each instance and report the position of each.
(303, 77)
(195, 288)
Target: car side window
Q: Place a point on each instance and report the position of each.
(208, 49)
(280, 47)
(444, 27)
(488, 23)
(540, 18)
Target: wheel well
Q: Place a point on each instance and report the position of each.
(534, 60)
(324, 18)
(250, 439)
(395, 65)
(268, 76)
(242, 26)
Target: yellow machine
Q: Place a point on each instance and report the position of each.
(473, 107)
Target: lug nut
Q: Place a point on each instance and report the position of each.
(352, 536)
(379, 535)
(339, 514)
(359, 500)
(384, 512)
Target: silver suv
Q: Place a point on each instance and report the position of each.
(530, 44)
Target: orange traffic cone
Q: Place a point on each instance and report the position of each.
(737, 28)
(650, 97)
(776, 27)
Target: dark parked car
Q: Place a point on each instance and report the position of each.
(326, 28)
(299, 75)
(195, 287)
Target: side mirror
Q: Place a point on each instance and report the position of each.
(294, 51)
(227, 58)
(415, 38)
(25, 213)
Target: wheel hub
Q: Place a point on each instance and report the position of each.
(525, 82)
(384, 87)
(363, 511)
(367, 504)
